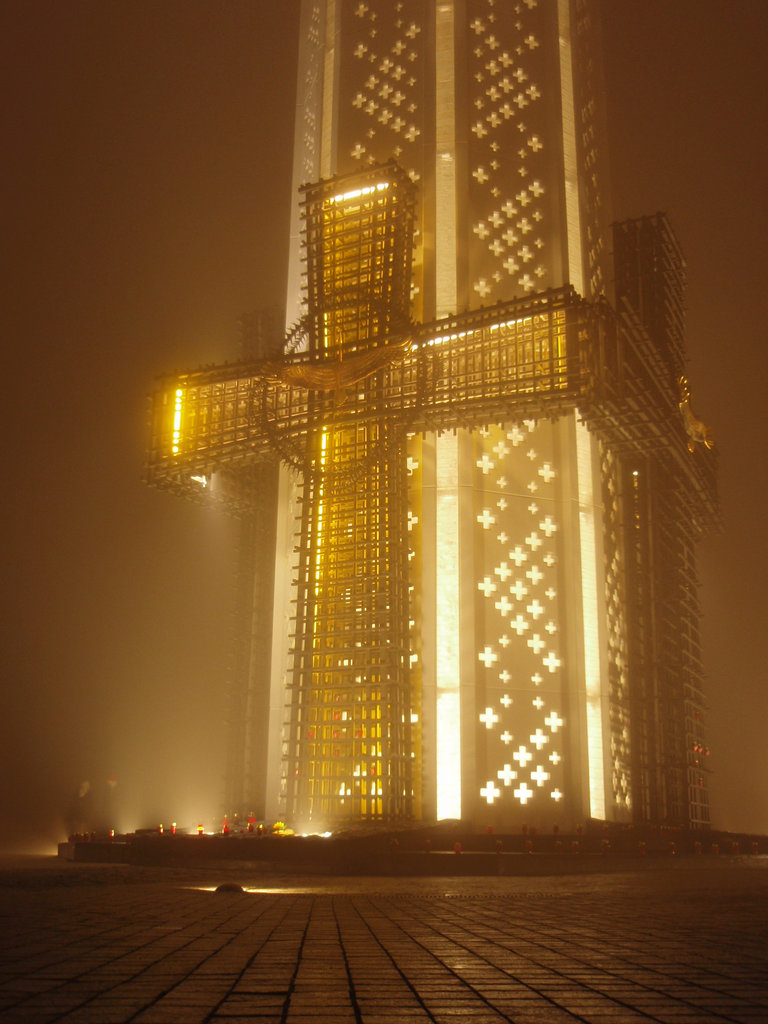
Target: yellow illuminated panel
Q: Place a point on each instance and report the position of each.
(357, 193)
(177, 407)
(353, 242)
(530, 350)
(319, 521)
(345, 717)
(351, 717)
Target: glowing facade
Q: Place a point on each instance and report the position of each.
(489, 109)
(477, 450)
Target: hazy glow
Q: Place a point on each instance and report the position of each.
(525, 323)
(448, 740)
(447, 670)
(592, 668)
(329, 114)
(344, 197)
(441, 339)
(570, 155)
(445, 161)
(276, 890)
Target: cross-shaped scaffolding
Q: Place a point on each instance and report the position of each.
(356, 379)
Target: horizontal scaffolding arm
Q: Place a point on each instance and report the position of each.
(530, 358)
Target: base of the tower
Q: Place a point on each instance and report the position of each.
(435, 851)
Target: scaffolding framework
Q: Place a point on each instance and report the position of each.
(539, 356)
(356, 379)
(348, 745)
(666, 513)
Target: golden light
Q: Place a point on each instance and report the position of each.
(177, 421)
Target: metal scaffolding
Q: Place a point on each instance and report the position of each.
(355, 380)
(348, 730)
(669, 500)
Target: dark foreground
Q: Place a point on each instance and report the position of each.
(680, 940)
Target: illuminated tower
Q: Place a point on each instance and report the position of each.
(492, 111)
(465, 429)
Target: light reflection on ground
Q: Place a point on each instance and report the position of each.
(263, 881)
(663, 876)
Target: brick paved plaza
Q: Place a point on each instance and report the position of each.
(679, 940)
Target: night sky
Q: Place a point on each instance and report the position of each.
(145, 204)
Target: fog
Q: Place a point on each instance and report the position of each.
(146, 191)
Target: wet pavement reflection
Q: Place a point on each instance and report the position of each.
(680, 941)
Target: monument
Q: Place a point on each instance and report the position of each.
(470, 478)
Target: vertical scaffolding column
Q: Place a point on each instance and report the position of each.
(350, 714)
(349, 750)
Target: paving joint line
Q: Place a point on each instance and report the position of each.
(350, 980)
(394, 962)
(292, 983)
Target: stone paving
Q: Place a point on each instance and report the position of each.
(675, 942)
